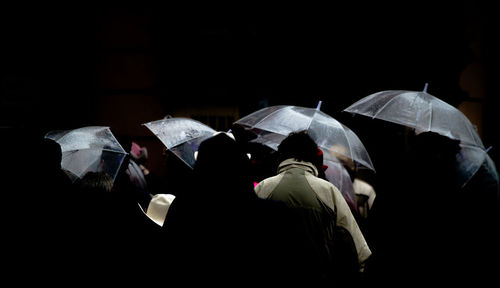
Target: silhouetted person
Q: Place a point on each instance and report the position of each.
(481, 197)
(219, 232)
(52, 173)
(44, 204)
(263, 158)
(138, 172)
(177, 174)
(53, 187)
(427, 227)
(111, 230)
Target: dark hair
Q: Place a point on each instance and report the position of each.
(298, 145)
(95, 182)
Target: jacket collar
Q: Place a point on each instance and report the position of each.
(292, 163)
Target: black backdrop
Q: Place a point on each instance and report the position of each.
(247, 55)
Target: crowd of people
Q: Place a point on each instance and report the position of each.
(244, 218)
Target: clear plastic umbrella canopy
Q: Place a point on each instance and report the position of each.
(419, 110)
(468, 161)
(424, 112)
(92, 148)
(181, 135)
(272, 124)
(338, 176)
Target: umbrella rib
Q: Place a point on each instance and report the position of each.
(350, 148)
(418, 115)
(383, 107)
(473, 133)
(370, 165)
(262, 120)
(430, 116)
(312, 118)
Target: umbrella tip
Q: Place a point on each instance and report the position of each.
(488, 149)
(425, 87)
(319, 105)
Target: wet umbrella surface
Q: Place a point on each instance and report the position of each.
(273, 124)
(180, 135)
(92, 148)
(426, 113)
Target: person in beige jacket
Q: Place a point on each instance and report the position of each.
(322, 211)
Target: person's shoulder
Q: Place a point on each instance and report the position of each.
(265, 187)
(269, 180)
(320, 183)
(362, 187)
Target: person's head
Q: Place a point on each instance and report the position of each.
(434, 156)
(51, 154)
(434, 147)
(138, 154)
(96, 183)
(220, 151)
(299, 146)
(223, 162)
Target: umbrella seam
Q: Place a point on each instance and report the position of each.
(473, 133)
(312, 118)
(350, 147)
(261, 120)
(383, 107)
(431, 117)
(419, 111)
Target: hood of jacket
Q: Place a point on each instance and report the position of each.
(291, 163)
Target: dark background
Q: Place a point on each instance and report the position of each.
(67, 66)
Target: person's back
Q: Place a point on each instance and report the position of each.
(49, 193)
(112, 239)
(35, 190)
(480, 221)
(422, 228)
(221, 232)
(322, 212)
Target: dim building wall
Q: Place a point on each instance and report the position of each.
(126, 79)
(472, 83)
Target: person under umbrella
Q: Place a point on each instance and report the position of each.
(91, 148)
(424, 112)
(272, 124)
(340, 247)
(223, 234)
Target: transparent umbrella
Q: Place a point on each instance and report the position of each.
(338, 176)
(181, 135)
(418, 110)
(424, 112)
(92, 148)
(468, 161)
(272, 124)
